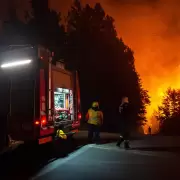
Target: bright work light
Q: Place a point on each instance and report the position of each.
(16, 63)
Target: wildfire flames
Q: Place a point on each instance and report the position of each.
(153, 32)
(152, 29)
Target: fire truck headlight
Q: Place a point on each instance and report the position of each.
(15, 63)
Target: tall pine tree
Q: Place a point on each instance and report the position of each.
(105, 63)
(45, 27)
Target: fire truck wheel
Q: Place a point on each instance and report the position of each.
(71, 137)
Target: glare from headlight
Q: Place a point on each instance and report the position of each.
(16, 63)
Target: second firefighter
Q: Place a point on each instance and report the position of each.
(125, 114)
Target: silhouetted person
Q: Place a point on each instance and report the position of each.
(124, 110)
(149, 130)
(95, 121)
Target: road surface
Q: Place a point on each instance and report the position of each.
(150, 158)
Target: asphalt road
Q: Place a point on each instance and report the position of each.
(150, 158)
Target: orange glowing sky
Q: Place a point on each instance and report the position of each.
(152, 29)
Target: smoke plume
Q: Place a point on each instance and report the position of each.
(152, 29)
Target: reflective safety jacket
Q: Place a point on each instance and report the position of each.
(61, 134)
(94, 117)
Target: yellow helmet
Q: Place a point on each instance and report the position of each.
(95, 104)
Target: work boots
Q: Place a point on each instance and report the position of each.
(126, 144)
(120, 141)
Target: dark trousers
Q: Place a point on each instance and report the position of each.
(125, 127)
(124, 138)
(125, 134)
(93, 133)
(124, 131)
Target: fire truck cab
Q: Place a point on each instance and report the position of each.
(40, 97)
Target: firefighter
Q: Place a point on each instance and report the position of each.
(95, 120)
(124, 111)
(149, 130)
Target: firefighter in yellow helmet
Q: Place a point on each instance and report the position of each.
(95, 120)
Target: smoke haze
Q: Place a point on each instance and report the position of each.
(152, 29)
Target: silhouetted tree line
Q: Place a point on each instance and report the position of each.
(89, 43)
(168, 112)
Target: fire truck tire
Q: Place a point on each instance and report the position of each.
(71, 136)
(60, 148)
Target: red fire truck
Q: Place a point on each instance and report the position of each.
(38, 98)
